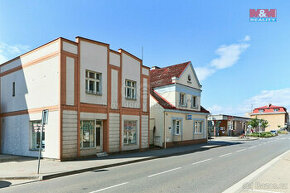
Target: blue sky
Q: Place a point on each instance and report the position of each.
(247, 63)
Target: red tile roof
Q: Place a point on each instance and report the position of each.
(163, 76)
(270, 109)
(166, 105)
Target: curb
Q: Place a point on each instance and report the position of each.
(51, 176)
(62, 174)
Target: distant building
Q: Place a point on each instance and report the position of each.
(276, 116)
(176, 114)
(227, 125)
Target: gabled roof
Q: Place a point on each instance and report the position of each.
(163, 76)
(269, 109)
(166, 105)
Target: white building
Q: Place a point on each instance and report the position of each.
(98, 100)
(176, 114)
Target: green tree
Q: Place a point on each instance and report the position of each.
(254, 123)
(264, 123)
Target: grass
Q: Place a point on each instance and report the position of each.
(283, 132)
(262, 134)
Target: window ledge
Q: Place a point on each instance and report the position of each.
(91, 93)
(43, 150)
(130, 99)
(87, 148)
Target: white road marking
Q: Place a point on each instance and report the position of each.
(110, 187)
(164, 172)
(225, 155)
(241, 150)
(238, 186)
(201, 161)
(264, 191)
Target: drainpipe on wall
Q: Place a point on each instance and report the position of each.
(164, 131)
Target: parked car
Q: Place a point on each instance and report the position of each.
(274, 132)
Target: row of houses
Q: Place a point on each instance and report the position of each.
(100, 100)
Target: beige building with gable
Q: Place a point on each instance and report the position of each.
(176, 114)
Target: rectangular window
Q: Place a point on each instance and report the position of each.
(193, 102)
(130, 132)
(182, 100)
(35, 128)
(276, 110)
(13, 89)
(93, 82)
(198, 126)
(177, 125)
(261, 110)
(88, 134)
(130, 89)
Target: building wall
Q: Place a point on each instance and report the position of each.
(93, 57)
(35, 86)
(131, 71)
(157, 115)
(69, 134)
(114, 133)
(144, 131)
(274, 120)
(17, 138)
(187, 130)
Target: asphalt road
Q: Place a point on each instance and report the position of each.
(213, 170)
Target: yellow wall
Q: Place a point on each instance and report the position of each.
(187, 127)
(273, 119)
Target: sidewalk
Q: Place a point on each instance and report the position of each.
(231, 138)
(275, 179)
(25, 169)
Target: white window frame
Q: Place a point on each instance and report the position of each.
(182, 102)
(194, 105)
(130, 89)
(33, 143)
(136, 141)
(97, 80)
(200, 129)
(177, 126)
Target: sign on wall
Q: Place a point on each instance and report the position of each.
(188, 117)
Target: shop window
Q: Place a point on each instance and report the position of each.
(88, 134)
(35, 128)
(130, 132)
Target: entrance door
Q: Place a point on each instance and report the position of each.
(99, 135)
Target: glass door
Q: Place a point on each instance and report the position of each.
(99, 135)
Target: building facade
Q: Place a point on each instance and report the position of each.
(227, 125)
(176, 114)
(98, 100)
(276, 116)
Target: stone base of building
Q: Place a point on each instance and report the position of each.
(188, 142)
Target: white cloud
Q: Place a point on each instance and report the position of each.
(204, 72)
(10, 51)
(279, 97)
(228, 55)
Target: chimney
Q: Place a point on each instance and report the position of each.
(155, 67)
(270, 105)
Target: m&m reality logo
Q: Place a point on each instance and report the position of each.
(263, 15)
